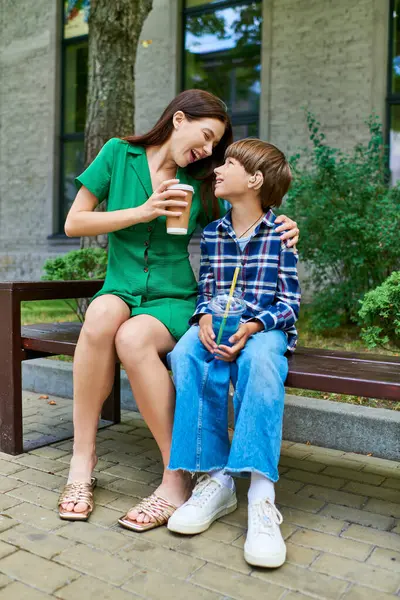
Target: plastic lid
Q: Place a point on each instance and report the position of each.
(181, 186)
(219, 302)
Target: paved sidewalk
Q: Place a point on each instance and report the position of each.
(341, 523)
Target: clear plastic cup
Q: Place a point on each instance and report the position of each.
(237, 308)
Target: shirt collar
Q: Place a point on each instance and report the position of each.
(226, 221)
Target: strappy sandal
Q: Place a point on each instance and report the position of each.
(153, 506)
(75, 492)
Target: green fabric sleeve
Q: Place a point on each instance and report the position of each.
(96, 178)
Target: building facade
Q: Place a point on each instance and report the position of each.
(268, 60)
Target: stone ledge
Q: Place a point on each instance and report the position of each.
(323, 423)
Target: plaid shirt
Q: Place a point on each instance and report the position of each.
(267, 278)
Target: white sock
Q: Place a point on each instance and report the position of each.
(260, 488)
(223, 478)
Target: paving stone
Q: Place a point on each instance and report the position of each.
(235, 585)
(20, 591)
(221, 532)
(335, 496)
(160, 536)
(36, 495)
(159, 586)
(396, 529)
(336, 461)
(139, 461)
(88, 588)
(7, 502)
(131, 488)
(383, 539)
(116, 446)
(315, 478)
(386, 559)
(104, 517)
(4, 580)
(290, 486)
(355, 515)
(33, 570)
(97, 563)
(224, 555)
(103, 497)
(391, 509)
(39, 462)
(157, 558)
(6, 549)
(332, 544)
(6, 522)
(124, 438)
(357, 572)
(352, 475)
(392, 482)
(302, 502)
(39, 478)
(372, 491)
(36, 541)
(303, 580)
(305, 465)
(363, 593)
(295, 452)
(7, 484)
(90, 534)
(296, 596)
(8, 467)
(130, 473)
(49, 452)
(121, 503)
(311, 521)
(36, 516)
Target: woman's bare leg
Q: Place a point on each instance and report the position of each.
(140, 342)
(94, 364)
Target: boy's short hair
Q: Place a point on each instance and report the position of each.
(256, 155)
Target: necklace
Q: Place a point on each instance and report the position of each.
(255, 223)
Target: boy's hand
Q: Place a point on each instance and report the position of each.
(239, 340)
(206, 333)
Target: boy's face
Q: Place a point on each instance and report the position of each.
(232, 180)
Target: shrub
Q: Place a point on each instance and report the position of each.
(380, 313)
(87, 263)
(349, 220)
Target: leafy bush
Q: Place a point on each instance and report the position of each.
(87, 263)
(349, 220)
(380, 313)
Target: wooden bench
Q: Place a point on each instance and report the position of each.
(367, 375)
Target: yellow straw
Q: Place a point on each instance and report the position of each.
(228, 305)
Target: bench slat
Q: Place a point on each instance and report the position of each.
(369, 375)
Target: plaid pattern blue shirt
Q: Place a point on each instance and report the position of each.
(267, 279)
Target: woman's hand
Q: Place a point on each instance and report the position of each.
(290, 228)
(206, 333)
(157, 204)
(239, 340)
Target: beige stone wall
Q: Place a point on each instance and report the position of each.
(329, 56)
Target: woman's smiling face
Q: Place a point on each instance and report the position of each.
(194, 140)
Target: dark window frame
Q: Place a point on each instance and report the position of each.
(65, 137)
(244, 118)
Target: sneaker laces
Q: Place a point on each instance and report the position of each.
(264, 515)
(204, 489)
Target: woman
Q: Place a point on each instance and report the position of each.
(143, 307)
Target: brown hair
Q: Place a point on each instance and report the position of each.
(256, 155)
(195, 104)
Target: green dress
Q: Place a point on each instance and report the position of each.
(147, 268)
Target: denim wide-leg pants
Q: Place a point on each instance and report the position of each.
(200, 435)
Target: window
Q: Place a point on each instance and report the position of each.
(393, 105)
(222, 54)
(73, 109)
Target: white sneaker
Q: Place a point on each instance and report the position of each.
(209, 501)
(264, 546)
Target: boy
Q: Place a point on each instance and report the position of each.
(255, 177)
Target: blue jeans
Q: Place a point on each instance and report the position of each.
(200, 439)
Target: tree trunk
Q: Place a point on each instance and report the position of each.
(114, 30)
